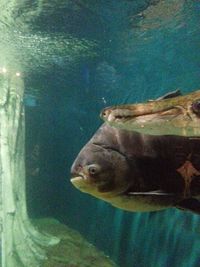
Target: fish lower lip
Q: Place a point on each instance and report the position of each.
(78, 177)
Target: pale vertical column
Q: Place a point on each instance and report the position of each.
(22, 244)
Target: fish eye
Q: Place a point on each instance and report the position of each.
(196, 107)
(93, 169)
(104, 114)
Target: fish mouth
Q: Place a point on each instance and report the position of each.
(80, 181)
(77, 177)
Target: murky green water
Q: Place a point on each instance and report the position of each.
(75, 58)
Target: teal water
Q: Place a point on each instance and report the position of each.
(134, 51)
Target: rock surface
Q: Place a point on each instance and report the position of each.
(73, 250)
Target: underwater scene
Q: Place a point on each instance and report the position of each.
(79, 190)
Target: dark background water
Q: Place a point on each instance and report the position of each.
(116, 52)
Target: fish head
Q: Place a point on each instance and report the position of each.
(174, 116)
(105, 174)
(100, 171)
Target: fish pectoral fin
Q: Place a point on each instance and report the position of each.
(190, 204)
(171, 94)
(151, 193)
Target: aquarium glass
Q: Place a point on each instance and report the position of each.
(77, 57)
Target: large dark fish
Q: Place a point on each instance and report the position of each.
(138, 172)
(171, 114)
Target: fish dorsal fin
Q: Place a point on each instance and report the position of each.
(150, 193)
(171, 94)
